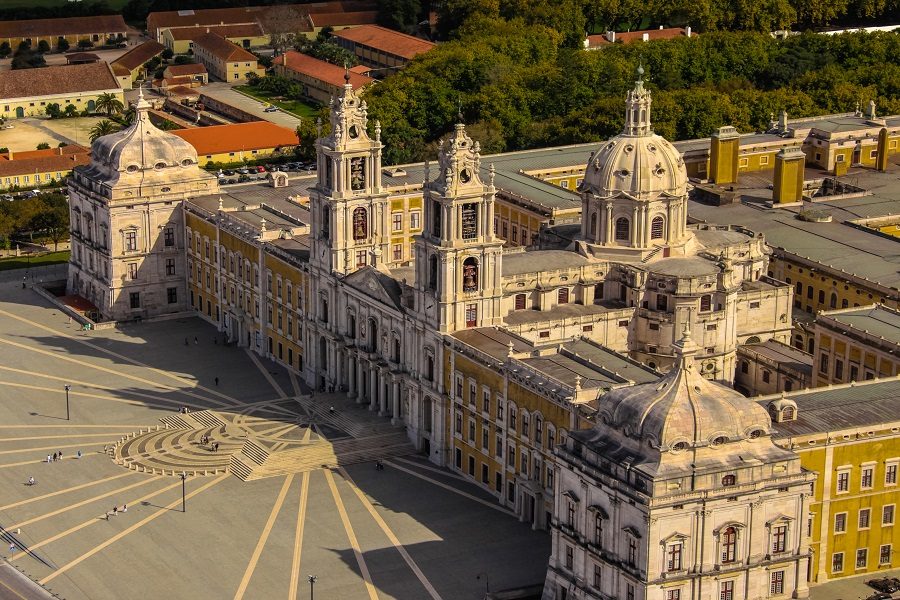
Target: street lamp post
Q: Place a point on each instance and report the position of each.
(68, 387)
(312, 582)
(183, 478)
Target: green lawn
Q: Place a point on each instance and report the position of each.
(24, 262)
(295, 107)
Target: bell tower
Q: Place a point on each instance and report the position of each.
(458, 257)
(348, 205)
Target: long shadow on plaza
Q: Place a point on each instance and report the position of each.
(471, 544)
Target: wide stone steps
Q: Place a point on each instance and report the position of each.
(207, 418)
(317, 455)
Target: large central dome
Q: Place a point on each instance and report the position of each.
(636, 163)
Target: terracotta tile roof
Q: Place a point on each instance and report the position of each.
(81, 56)
(138, 55)
(226, 31)
(321, 70)
(176, 80)
(387, 40)
(626, 37)
(27, 154)
(180, 90)
(189, 69)
(343, 19)
(120, 70)
(255, 135)
(60, 79)
(222, 48)
(60, 159)
(65, 26)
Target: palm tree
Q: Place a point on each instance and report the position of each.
(101, 128)
(109, 104)
(128, 115)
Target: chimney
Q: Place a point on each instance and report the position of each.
(881, 158)
(790, 164)
(611, 37)
(687, 31)
(660, 27)
(645, 37)
(724, 149)
(870, 111)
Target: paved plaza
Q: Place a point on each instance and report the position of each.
(290, 491)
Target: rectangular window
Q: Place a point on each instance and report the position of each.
(629, 591)
(134, 299)
(673, 557)
(837, 562)
(471, 315)
(598, 576)
(570, 557)
(838, 368)
(779, 539)
(361, 258)
(890, 474)
(414, 219)
(130, 241)
(843, 481)
(486, 400)
(169, 236)
(397, 221)
(172, 295)
(776, 583)
(864, 518)
(865, 481)
(862, 557)
(471, 431)
(397, 250)
(823, 364)
(458, 429)
(132, 271)
(887, 515)
(673, 594)
(726, 590)
(170, 266)
(884, 555)
(840, 522)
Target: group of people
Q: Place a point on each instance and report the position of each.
(213, 446)
(116, 511)
(54, 457)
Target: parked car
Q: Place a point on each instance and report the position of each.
(270, 108)
(260, 169)
(880, 596)
(230, 181)
(244, 171)
(228, 172)
(244, 177)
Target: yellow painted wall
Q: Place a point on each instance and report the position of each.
(30, 180)
(37, 106)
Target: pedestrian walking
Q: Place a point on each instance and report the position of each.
(31, 481)
(216, 449)
(48, 458)
(217, 381)
(12, 547)
(115, 510)
(78, 455)
(60, 455)
(107, 515)
(54, 457)
(124, 508)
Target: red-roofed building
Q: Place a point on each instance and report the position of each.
(34, 168)
(381, 48)
(594, 42)
(320, 80)
(238, 141)
(225, 60)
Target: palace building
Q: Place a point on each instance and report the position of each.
(367, 284)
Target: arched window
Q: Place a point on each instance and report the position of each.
(470, 275)
(787, 414)
(811, 345)
(844, 303)
(656, 228)
(798, 342)
(520, 301)
(373, 335)
(799, 288)
(833, 300)
(593, 227)
(766, 376)
(360, 224)
(729, 545)
(745, 366)
(622, 229)
(562, 296)
(705, 303)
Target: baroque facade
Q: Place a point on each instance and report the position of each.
(408, 298)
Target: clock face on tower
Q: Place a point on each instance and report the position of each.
(357, 173)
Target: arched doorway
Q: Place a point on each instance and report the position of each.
(20, 112)
(91, 105)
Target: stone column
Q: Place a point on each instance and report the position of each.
(351, 376)
(384, 391)
(373, 388)
(360, 381)
(396, 419)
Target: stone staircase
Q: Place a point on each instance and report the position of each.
(250, 464)
(651, 254)
(202, 419)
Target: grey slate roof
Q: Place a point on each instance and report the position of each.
(875, 320)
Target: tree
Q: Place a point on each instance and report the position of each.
(282, 23)
(62, 44)
(5, 50)
(84, 44)
(43, 47)
(53, 111)
(183, 59)
(402, 15)
(71, 110)
(101, 128)
(109, 104)
(26, 58)
(52, 218)
(43, 146)
(167, 54)
(136, 11)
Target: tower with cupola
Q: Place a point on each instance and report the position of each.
(348, 204)
(458, 256)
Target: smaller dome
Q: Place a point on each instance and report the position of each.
(142, 146)
(683, 410)
(637, 162)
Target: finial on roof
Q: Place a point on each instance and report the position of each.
(459, 115)
(509, 352)
(577, 383)
(221, 204)
(640, 71)
(347, 73)
(492, 172)
(262, 226)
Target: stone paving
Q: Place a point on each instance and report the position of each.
(411, 531)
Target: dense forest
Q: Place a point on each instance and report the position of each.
(521, 86)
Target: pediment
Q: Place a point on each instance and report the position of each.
(375, 284)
